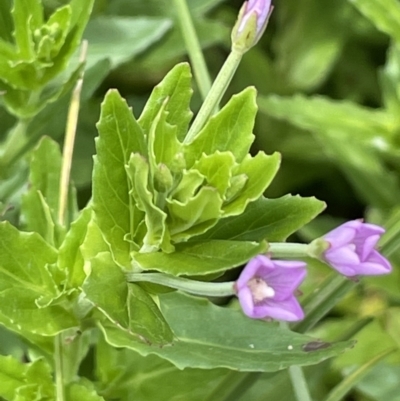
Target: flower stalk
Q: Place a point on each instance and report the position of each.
(194, 287)
(251, 24)
(215, 94)
(193, 47)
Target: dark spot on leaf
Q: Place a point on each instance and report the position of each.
(315, 346)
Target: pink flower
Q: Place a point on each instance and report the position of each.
(265, 288)
(352, 249)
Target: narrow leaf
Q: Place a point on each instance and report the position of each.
(229, 339)
(128, 307)
(267, 219)
(119, 137)
(229, 130)
(197, 258)
(176, 87)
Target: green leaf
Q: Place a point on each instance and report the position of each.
(128, 307)
(81, 11)
(217, 169)
(384, 14)
(305, 64)
(119, 137)
(176, 86)
(112, 37)
(320, 115)
(26, 284)
(22, 382)
(70, 256)
(81, 392)
(267, 219)
(40, 204)
(5, 21)
(259, 171)
(122, 372)
(228, 340)
(229, 130)
(195, 216)
(351, 135)
(19, 102)
(38, 215)
(157, 233)
(57, 30)
(341, 389)
(45, 171)
(390, 82)
(197, 258)
(28, 16)
(363, 166)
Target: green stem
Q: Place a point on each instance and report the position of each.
(192, 287)
(288, 250)
(322, 300)
(59, 367)
(297, 378)
(69, 140)
(338, 393)
(193, 47)
(299, 383)
(215, 94)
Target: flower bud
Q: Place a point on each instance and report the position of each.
(163, 179)
(351, 249)
(252, 21)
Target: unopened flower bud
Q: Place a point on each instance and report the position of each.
(252, 21)
(163, 179)
(351, 249)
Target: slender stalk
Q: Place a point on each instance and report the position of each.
(324, 298)
(191, 286)
(215, 94)
(60, 363)
(287, 250)
(339, 392)
(299, 382)
(59, 367)
(193, 47)
(69, 141)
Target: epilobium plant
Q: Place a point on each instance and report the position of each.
(128, 285)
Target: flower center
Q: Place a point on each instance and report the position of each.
(260, 289)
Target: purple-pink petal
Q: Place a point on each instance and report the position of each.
(364, 249)
(343, 255)
(287, 310)
(356, 254)
(265, 288)
(251, 269)
(340, 236)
